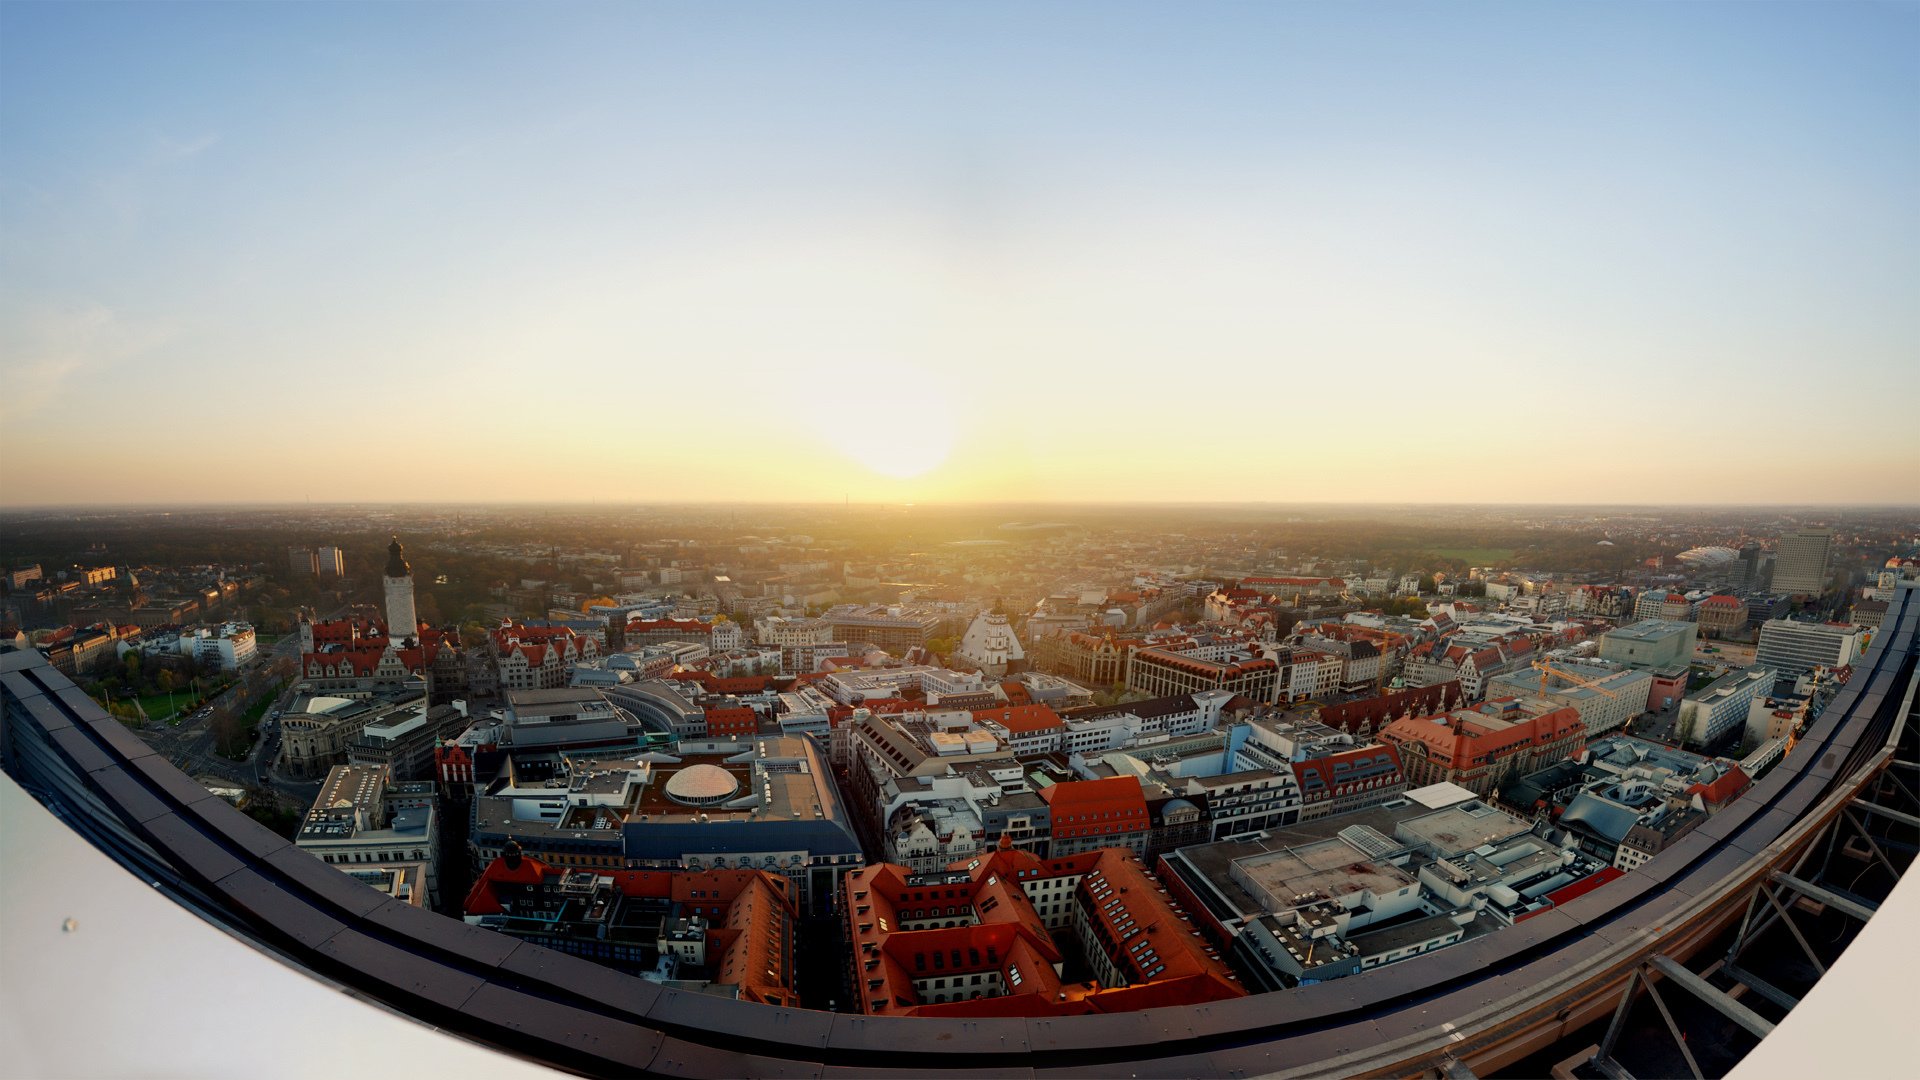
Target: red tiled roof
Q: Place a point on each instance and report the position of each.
(1337, 784)
(1426, 700)
(746, 908)
(733, 684)
(1463, 736)
(1113, 887)
(1727, 786)
(1154, 940)
(1022, 719)
(1114, 805)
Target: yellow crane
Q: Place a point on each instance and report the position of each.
(1547, 670)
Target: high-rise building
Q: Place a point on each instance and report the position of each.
(325, 561)
(1801, 563)
(330, 560)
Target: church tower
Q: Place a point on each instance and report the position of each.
(401, 622)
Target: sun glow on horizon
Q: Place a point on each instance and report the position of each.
(854, 419)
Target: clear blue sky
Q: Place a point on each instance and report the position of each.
(1592, 252)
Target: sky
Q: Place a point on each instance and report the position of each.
(1478, 252)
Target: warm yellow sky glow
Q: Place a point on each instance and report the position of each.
(1285, 254)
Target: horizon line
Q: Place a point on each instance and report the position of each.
(611, 504)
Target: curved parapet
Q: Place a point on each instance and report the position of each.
(1482, 1002)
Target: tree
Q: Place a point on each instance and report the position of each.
(269, 809)
(164, 681)
(1684, 730)
(225, 729)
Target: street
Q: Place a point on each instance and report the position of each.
(190, 746)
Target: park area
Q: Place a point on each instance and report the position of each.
(1474, 556)
(163, 706)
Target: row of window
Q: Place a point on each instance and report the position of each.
(371, 857)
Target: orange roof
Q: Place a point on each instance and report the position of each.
(1727, 786)
(1010, 935)
(1022, 719)
(1152, 936)
(733, 684)
(1460, 737)
(745, 945)
(1334, 782)
(1114, 805)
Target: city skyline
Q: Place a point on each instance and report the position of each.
(1634, 255)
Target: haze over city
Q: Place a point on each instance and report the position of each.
(1380, 253)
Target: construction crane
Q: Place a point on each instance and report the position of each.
(1547, 670)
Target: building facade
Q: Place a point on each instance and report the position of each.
(1482, 747)
(1650, 643)
(1795, 648)
(1801, 561)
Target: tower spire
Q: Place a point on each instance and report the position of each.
(402, 623)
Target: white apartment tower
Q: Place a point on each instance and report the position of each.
(1800, 562)
(401, 622)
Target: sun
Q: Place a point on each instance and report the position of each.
(897, 421)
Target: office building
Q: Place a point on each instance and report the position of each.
(767, 803)
(1801, 561)
(1721, 706)
(1607, 696)
(1795, 648)
(895, 629)
(402, 741)
(723, 932)
(1166, 672)
(362, 820)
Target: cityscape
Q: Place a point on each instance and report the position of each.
(616, 540)
(943, 762)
